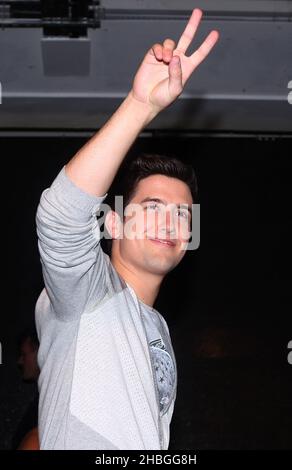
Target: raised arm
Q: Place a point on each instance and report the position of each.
(159, 80)
(74, 266)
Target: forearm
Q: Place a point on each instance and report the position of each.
(159, 81)
(95, 165)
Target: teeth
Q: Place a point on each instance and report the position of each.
(165, 242)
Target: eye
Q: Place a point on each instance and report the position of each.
(182, 213)
(152, 205)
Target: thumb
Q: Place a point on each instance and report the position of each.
(175, 77)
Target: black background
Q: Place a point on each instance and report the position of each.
(228, 304)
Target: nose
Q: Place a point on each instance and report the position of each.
(170, 226)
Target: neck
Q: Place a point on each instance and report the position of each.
(146, 285)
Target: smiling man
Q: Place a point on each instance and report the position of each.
(108, 372)
(153, 235)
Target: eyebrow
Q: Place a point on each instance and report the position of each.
(157, 199)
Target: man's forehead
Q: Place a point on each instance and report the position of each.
(168, 189)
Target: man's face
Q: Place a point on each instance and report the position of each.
(157, 224)
(27, 361)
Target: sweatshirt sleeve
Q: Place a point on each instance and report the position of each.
(73, 262)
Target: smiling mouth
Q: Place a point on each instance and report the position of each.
(167, 243)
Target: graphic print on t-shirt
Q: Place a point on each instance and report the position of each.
(164, 371)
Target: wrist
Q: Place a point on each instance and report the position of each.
(142, 111)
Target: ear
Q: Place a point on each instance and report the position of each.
(113, 224)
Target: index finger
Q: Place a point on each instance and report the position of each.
(190, 30)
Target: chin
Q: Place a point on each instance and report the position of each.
(161, 266)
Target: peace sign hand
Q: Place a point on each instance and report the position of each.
(165, 69)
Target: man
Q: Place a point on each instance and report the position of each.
(26, 435)
(28, 345)
(108, 373)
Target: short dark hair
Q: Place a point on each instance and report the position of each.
(153, 164)
(144, 165)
